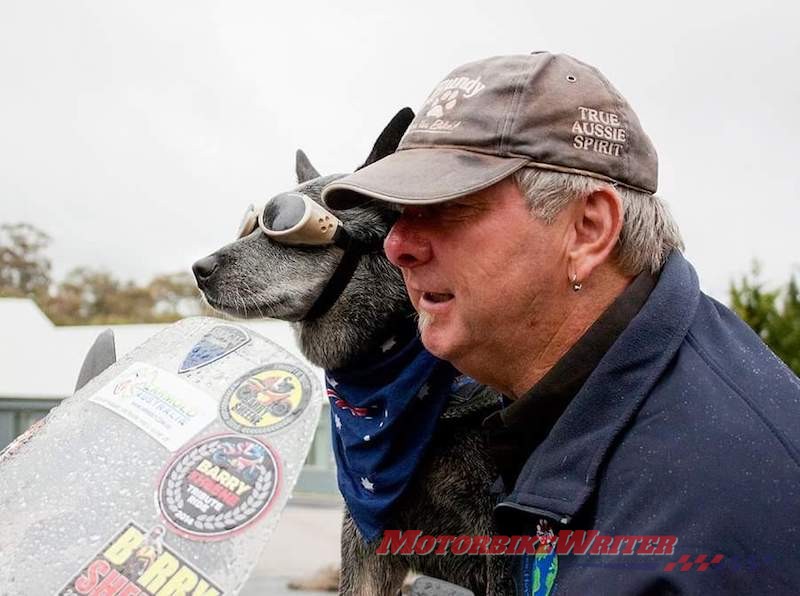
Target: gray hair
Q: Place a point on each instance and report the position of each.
(648, 233)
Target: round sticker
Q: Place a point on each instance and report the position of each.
(218, 486)
(266, 399)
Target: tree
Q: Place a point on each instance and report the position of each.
(89, 296)
(24, 267)
(773, 314)
(95, 297)
(175, 295)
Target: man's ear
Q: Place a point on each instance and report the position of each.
(597, 223)
(303, 168)
(390, 137)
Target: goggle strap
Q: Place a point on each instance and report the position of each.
(341, 238)
(341, 276)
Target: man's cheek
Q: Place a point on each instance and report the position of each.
(413, 296)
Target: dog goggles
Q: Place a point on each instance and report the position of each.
(293, 218)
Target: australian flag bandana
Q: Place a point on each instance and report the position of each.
(384, 413)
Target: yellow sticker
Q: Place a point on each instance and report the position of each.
(266, 399)
(136, 562)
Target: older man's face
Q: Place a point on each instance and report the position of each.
(483, 273)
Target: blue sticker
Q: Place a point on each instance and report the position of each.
(217, 343)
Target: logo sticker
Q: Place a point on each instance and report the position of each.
(162, 404)
(266, 399)
(138, 562)
(217, 343)
(218, 486)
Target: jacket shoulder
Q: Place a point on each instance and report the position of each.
(728, 369)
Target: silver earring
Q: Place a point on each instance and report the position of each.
(576, 285)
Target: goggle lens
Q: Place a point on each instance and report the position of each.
(283, 212)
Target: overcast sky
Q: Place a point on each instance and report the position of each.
(135, 133)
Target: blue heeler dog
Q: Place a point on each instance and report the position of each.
(407, 437)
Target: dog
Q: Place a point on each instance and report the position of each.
(449, 494)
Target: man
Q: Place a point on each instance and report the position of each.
(541, 263)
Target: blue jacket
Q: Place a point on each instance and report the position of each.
(688, 427)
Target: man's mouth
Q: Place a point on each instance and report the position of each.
(437, 297)
(435, 302)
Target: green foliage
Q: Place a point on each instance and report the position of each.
(24, 267)
(93, 297)
(773, 314)
(88, 296)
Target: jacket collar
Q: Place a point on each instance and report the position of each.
(561, 473)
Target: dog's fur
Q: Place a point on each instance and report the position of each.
(256, 277)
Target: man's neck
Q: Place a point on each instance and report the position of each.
(522, 362)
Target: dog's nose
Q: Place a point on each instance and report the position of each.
(204, 268)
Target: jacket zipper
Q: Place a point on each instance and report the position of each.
(559, 519)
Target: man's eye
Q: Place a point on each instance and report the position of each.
(448, 211)
(416, 212)
(457, 210)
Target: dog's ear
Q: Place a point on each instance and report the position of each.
(390, 137)
(303, 168)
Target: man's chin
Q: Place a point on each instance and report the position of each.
(424, 321)
(434, 337)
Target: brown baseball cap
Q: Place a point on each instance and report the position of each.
(487, 119)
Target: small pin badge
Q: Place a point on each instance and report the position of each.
(217, 343)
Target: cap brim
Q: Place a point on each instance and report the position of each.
(420, 177)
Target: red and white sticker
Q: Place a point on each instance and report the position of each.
(219, 486)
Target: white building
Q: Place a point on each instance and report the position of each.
(39, 364)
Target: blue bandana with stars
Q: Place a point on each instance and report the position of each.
(384, 414)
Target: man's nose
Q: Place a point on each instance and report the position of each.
(405, 246)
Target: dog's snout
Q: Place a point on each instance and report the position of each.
(205, 267)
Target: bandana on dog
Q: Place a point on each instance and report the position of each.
(384, 415)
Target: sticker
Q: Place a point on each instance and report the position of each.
(218, 486)
(162, 404)
(266, 399)
(217, 343)
(136, 563)
(11, 449)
